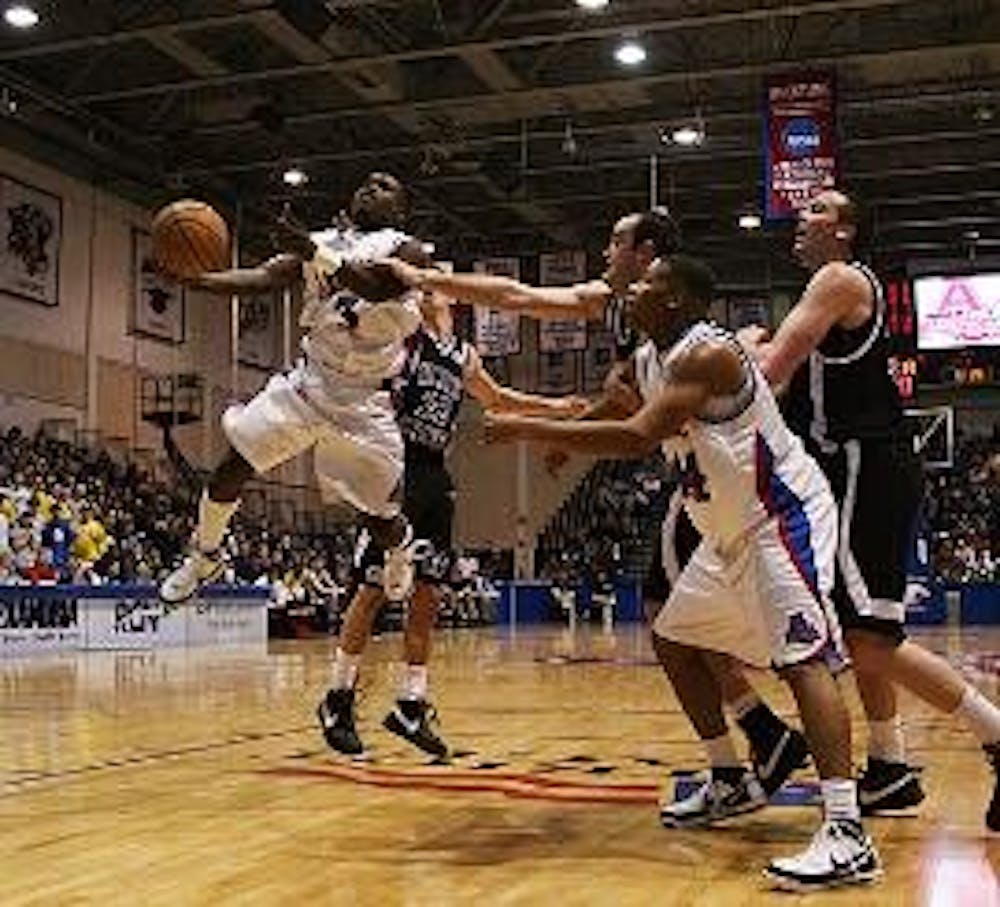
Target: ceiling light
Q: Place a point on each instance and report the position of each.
(20, 16)
(630, 53)
(295, 176)
(749, 220)
(592, 4)
(569, 145)
(983, 114)
(688, 136)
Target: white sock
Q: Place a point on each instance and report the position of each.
(721, 752)
(981, 715)
(213, 520)
(345, 669)
(414, 682)
(743, 704)
(886, 740)
(840, 799)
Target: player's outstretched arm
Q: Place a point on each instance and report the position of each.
(497, 398)
(834, 290)
(708, 370)
(274, 274)
(584, 301)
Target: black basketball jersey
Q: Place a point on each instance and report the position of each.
(616, 321)
(844, 390)
(428, 392)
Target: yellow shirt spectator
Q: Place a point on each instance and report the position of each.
(91, 540)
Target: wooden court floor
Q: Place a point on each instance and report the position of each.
(198, 778)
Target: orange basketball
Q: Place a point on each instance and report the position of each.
(189, 238)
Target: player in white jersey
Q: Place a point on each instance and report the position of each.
(357, 317)
(758, 587)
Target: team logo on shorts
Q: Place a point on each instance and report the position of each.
(800, 630)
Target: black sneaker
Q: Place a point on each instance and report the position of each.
(415, 720)
(992, 751)
(336, 719)
(775, 762)
(887, 787)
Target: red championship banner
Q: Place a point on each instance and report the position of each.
(800, 136)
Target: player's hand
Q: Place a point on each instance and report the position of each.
(555, 459)
(571, 407)
(753, 335)
(408, 274)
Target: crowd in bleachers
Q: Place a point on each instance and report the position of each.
(75, 514)
(963, 510)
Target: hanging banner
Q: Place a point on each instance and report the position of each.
(259, 331)
(557, 373)
(562, 269)
(30, 239)
(498, 333)
(800, 142)
(157, 303)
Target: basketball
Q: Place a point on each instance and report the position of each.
(189, 238)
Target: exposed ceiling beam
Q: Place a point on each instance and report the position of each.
(551, 100)
(824, 7)
(187, 55)
(679, 157)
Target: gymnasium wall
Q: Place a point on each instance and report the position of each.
(77, 360)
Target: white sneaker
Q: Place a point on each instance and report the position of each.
(715, 800)
(840, 853)
(196, 570)
(397, 572)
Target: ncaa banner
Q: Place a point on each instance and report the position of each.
(598, 358)
(498, 333)
(743, 311)
(562, 269)
(259, 331)
(800, 142)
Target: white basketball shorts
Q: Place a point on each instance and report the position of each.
(768, 602)
(358, 450)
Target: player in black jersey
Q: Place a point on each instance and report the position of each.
(438, 372)
(831, 351)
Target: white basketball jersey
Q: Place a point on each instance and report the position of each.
(739, 463)
(351, 339)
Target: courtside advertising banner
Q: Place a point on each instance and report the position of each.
(498, 333)
(562, 269)
(800, 142)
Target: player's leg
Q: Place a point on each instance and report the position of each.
(776, 749)
(878, 497)
(793, 571)
(429, 504)
(701, 611)
(936, 682)
(273, 427)
(336, 711)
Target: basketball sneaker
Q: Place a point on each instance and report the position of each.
(992, 751)
(416, 720)
(887, 787)
(727, 793)
(336, 719)
(197, 569)
(397, 573)
(775, 759)
(840, 853)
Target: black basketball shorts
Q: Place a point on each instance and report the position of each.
(878, 486)
(429, 505)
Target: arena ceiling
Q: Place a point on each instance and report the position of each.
(511, 119)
